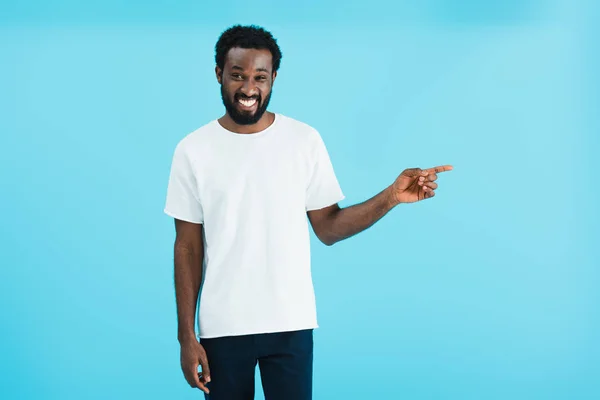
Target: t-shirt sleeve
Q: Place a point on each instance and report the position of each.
(323, 188)
(182, 194)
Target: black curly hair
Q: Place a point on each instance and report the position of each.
(247, 37)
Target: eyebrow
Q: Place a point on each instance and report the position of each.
(238, 68)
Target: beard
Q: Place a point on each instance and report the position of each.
(244, 117)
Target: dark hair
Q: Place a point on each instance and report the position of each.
(247, 37)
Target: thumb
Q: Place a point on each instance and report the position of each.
(205, 369)
(412, 172)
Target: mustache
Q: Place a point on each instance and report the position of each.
(244, 97)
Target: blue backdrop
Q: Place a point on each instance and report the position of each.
(488, 291)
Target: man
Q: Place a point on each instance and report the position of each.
(240, 190)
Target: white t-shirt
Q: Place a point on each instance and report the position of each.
(251, 193)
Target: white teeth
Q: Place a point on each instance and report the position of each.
(248, 103)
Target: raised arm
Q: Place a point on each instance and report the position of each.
(332, 224)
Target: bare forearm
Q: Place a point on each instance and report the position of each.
(188, 277)
(349, 221)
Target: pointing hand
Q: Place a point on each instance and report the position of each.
(415, 184)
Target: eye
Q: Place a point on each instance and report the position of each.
(236, 76)
(261, 78)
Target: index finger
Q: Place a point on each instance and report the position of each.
(202, 383)
(194, 379)
(441, 168)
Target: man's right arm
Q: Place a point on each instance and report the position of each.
(189, 256)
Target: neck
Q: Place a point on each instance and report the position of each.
(263, 123)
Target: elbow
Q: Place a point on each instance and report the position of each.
(324, 224)
(324, 237)
(327, 241)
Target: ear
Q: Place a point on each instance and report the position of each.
(219, 73)
(274, 76)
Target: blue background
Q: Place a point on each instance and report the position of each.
(488, 291)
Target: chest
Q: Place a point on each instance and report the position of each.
(275, 168)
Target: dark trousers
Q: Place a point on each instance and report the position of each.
(285, 361)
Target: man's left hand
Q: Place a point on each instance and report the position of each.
(416, 184)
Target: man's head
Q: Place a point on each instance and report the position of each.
(247, 58)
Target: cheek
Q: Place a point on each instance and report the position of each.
(265, 90)
(230, 92)
(230, 87)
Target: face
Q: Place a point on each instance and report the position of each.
(246, 83)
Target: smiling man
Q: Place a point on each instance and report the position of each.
(242, 190)
(245, 105)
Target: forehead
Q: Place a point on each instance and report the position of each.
(249, 59)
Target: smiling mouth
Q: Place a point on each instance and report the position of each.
(247, 103)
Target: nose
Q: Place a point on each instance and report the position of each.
(249, 88)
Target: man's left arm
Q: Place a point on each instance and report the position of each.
(333, 224)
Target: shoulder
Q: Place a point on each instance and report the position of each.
(198, 135)
(196, 140)
(300, 129)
